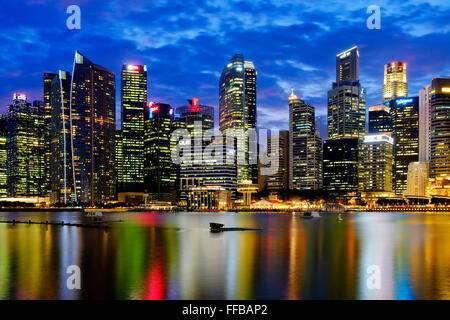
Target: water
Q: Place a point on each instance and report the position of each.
(174, 256)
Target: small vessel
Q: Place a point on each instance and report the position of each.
(94, 214)
(340, 217)
(215, 227)
(310, 215)
(219, 227)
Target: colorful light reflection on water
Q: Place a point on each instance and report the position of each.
(174, 256)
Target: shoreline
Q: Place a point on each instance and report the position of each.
(290, 211)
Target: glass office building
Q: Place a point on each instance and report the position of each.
(25, 148)
(160, 172)
(380, 119)
(405, 114)
(395, 84)
(134, 101)
(305, 149)
(237, 108)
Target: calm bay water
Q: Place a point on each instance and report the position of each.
(174, 256)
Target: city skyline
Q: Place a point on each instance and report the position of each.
(200, 52)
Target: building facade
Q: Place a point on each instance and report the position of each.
(424, 125)
(380, 119)
(340, 167)
(90, 125)
(378, 162)
(237, 109)
(61, 160)
(25, 148)
(417, 181)
(3, 158)
(305, 149)
(48, 78)
(440, 128)
(198, 171)
(134, 101)
(346, 119)
(280, 180)
(405, 112)
(160, 172)
(395, 84)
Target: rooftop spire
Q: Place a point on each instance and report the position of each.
(292, 96)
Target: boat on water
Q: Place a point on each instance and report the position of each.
(219, 227)
(94, 214)
(310, 215)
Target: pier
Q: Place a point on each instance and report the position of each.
(99, 225)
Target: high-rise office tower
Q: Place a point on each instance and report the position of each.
(134, 100)
(25, 148)
(347, 66)
(237, 108)
(198, 119)
(424, 125)
(405, 112)
(346, 99)
(119, 162)
(195, 112)
(48, 78)
(395, 84)
(440, 129)
(380, 119)
(91, 128)
(340, 167)
(346, 121)
(417, 179)
(279, 180)
(3, 158)
(160, 172)
(61, 161)
(93, 107)
(378, 162)
(305, 149)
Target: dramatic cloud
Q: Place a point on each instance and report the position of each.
(186, 44)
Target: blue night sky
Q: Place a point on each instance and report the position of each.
(186, 44)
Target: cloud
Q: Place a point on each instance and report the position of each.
(186, 44)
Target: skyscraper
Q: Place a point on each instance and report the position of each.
(134, 100)
(346, 122)
(237, 108)
(340, 167)
(160, 172)
(440, 129)
(119, 163)
(198, 119)
(305, 149)
(424, 125)
(395, 84)
(61, 161)
(417, 179)
(378, 162)
(279, 180)
(347, 66)
(90, 124)
(25, 148)
(380, 119)
(48, 78)
(3, 158)
(346, 111)
(405, 112)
